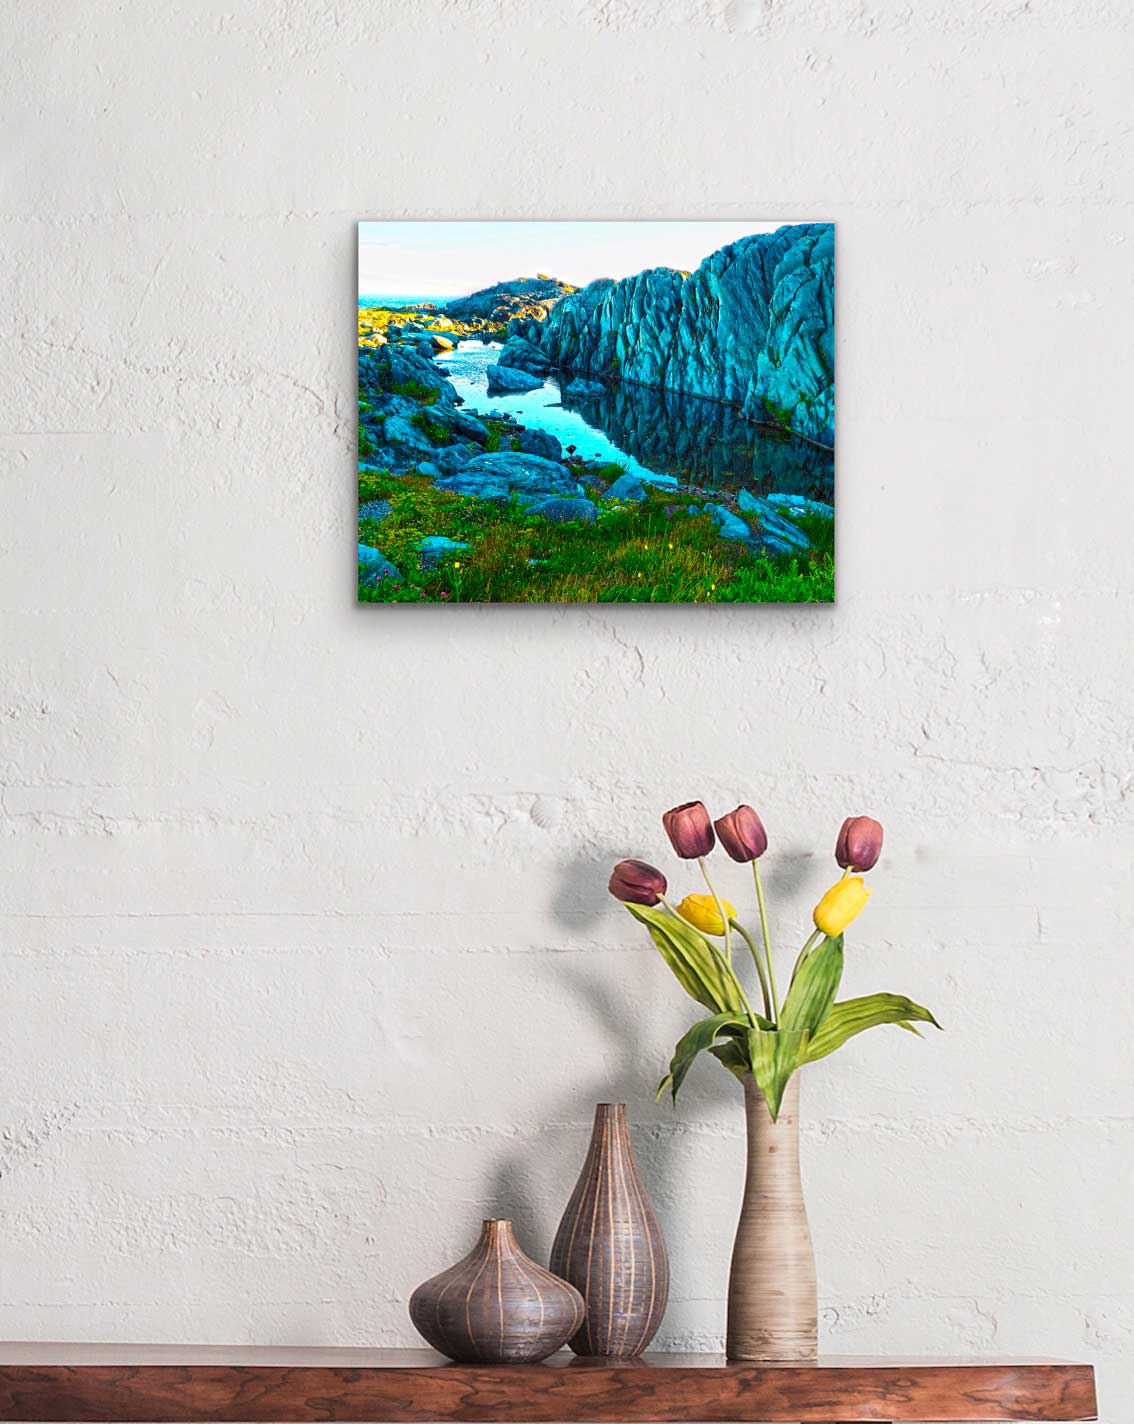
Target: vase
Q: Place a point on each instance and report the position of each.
(610, 1246)
(496, 1306)
(772, 1306)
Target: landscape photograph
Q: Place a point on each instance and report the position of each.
(596, 412)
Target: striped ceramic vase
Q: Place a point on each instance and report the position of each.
(496, 1305)
(610, 1246)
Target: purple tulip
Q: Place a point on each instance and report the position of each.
(742, 834)
(636, 883)
(859, 844)
(689, 830)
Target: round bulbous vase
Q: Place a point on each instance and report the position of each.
(772, 1306)
(496, 1306)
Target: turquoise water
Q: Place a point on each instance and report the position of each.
(398, 302)
(664, 437)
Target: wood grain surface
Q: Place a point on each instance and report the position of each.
(167, 1385)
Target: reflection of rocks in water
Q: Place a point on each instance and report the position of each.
(703, 442)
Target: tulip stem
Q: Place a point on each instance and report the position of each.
(713, 950)
(813, 940)
(720, 910)
(768, 1011)
(767, 940)
(677, 915)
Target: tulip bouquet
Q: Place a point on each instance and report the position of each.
(808, 1022)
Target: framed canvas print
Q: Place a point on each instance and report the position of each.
(596, 412)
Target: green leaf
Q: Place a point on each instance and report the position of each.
(853, 1016)
(731, 1053)
(698, 966)
(775, 1055)
(814, 988)
(699, 1038)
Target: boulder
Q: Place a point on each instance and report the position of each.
(729, 526)
(374, 566)
(475, 487)
(424, 348)
(517, 473)
(383, 403)
(507, 378)
(779, 534)
(429, 469)
(469, 427)
(398, 431)
(524, 356)
(435, 547)
(442, 341)
(579, 387)
(564, 511)
(452, 458)
(629, 488)
(800, 504)
(540, 442)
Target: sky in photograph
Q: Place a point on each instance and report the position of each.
(454, 258)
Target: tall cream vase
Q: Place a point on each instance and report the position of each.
(772, 1306)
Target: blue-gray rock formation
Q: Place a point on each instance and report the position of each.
(525, 355)
(374, 566)
(565, 511)
(791, 504)
(523, 297)
(539, 442)
(752, 326)
(629, 488)
(435, 547)
(502, 379)
(504, 474)
(780, 534)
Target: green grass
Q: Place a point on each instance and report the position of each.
(435, 432)
(496, 430)
(819, 528)
(631, 554)
(416, 390)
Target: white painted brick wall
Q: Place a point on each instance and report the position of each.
(307, 961)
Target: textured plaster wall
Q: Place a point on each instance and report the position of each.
(306, 960)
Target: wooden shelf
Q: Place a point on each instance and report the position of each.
(175, 1384)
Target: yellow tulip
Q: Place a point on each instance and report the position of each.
(701, 911)
(845, 900)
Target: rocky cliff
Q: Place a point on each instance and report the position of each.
(753, 326)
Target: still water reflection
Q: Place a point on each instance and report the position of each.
(661, 436)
